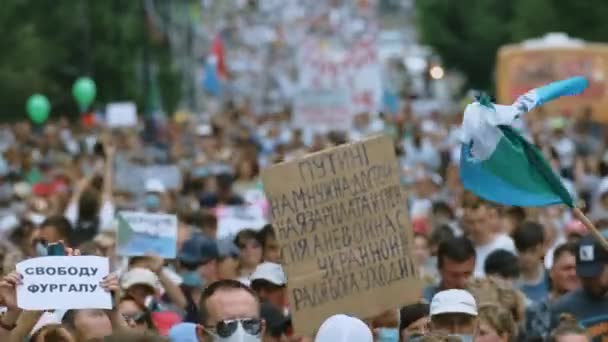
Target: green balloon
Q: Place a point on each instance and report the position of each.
(84, 91)
(38, 108)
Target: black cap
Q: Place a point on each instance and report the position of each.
(277, 324)
(591, 257)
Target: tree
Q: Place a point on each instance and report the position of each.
(466, 34)
(46, 45)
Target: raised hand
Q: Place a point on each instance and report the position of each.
(8, 289)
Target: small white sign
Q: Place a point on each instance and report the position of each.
(121, 114)
(232, 219)
(587, 253)
(63, 282)
(141, 233)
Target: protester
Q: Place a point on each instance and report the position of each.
(270, 283)
(413, 321)
(563, 280)
(454, 312)
(588, 303)
(229, 311)
(270, 246)
(530, 243)
(568, 331)
(55, 229)
(135, 314)
(496, 324)
(504, 265)
(250, 252)
(482, 225)
(456, 262)
(228, 259)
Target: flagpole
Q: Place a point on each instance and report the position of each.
(587, 223)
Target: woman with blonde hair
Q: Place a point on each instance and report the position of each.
(497, 291)
(496, 324)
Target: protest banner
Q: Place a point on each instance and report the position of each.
(335, 84)
(121, 114)
(143, 233)
(342, 225)
(63, 282)
(232, 219)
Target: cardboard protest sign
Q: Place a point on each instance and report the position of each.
(121, 114)
(63, 282)
(143, 233)
(232, 219)
(342, 224)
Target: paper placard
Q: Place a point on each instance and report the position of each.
(232, 219)
(121, 114)
(63, 282)
(143, 233)
(341, 220)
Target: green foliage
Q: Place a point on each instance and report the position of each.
(468, 33)
(46, 45)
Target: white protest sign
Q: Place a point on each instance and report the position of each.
(63, 282)
(335, 84)
(142, 233)
(121, 114)
(232, 219)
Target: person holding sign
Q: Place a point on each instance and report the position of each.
(17, 287)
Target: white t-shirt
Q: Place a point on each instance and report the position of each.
(501, 241)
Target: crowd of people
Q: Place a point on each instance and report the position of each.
(492, 273)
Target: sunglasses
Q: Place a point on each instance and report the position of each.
(227, 328)
(136, 318)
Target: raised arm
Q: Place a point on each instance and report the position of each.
(175, 294)
(108, 174)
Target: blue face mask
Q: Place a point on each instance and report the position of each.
(192, 279)
(388, 335)
(152, 202)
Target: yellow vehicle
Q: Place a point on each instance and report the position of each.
(521, 67)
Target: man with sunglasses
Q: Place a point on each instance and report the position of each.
(229, 312)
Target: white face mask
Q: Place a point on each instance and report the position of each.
(464, 337)
(240, 335)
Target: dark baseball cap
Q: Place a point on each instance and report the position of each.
(198, 249)
(591, 257)
(277, 324)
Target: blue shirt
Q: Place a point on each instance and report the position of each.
(539, 291)
(591, 312)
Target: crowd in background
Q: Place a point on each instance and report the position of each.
(523, 266)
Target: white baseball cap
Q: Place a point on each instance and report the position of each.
(453, 301)
(271, 272)
(342, 328)
(139, 276)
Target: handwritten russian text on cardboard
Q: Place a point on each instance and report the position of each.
(341, 220)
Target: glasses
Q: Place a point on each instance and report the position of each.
(137, 318)
(227, 328)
